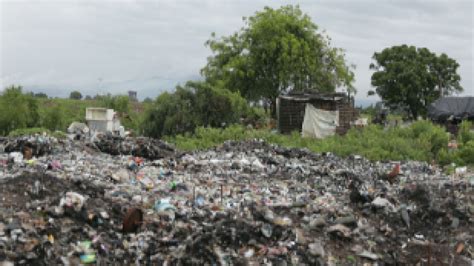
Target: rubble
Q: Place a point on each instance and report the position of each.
(38, 145)
(240, 203)
(148, 148)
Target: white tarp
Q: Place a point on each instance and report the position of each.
(319, 123)
(361, 122)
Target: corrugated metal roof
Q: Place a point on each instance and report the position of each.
(458, 107)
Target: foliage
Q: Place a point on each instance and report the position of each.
(195, 104)
(422, 141)
(17, 110)
(132, 121)
(37, 131)
(464, 155)
(20, 110)
(277, 50)
(466, 152)
(412, 78)
(369, 110)
(71, 111)
(256, 117)
(40, 95)
(446, 157)
(75, 95)
(120, 103)
(465, 133)
(53, 118)
(28, 131)
(59, 134)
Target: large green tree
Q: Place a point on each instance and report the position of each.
(277, 50)
(412, 78)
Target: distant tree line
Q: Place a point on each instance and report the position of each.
(19, 109)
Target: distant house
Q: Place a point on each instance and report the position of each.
(450, 111)
(102, 120)
(316, 115)
(132, 96)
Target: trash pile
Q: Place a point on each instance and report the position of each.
(143, 147)
(29, 147)
(238, 204)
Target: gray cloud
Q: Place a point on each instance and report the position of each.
(150, 46)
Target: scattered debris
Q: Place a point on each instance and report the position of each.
(123, 201)
(368, 255)
(148, 148)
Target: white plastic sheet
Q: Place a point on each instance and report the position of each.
(319, 123)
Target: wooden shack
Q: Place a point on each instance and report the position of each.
(291, 110)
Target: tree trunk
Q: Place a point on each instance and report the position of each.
(414, 113)
(273, 108)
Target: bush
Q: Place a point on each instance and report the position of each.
(257, 117)
(465, 134)
(29, 131)
(120, 103)
(54, 118)
(17, 110)
(446, 157)
(196, 104)
(37, 130)
(59, 134)
(466, 152)
(421, 141)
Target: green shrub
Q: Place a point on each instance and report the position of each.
(17, 110)
(37, 130)
(421, 141)
(446, 157)
(256, 116)
(53, 118)
(194, 105)
(29, 131)
(59, 134)
(465, 134)
(120, 103)
(466, 152)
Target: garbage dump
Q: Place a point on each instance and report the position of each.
(143, 147)
(29, 146)
(243, 203)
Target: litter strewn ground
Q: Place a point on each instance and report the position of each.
(124, 201)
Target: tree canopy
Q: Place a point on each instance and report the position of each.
(412, 78)
(277, 50)
(76, 95)
(40, 95)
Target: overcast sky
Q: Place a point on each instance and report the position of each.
(150, 46)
